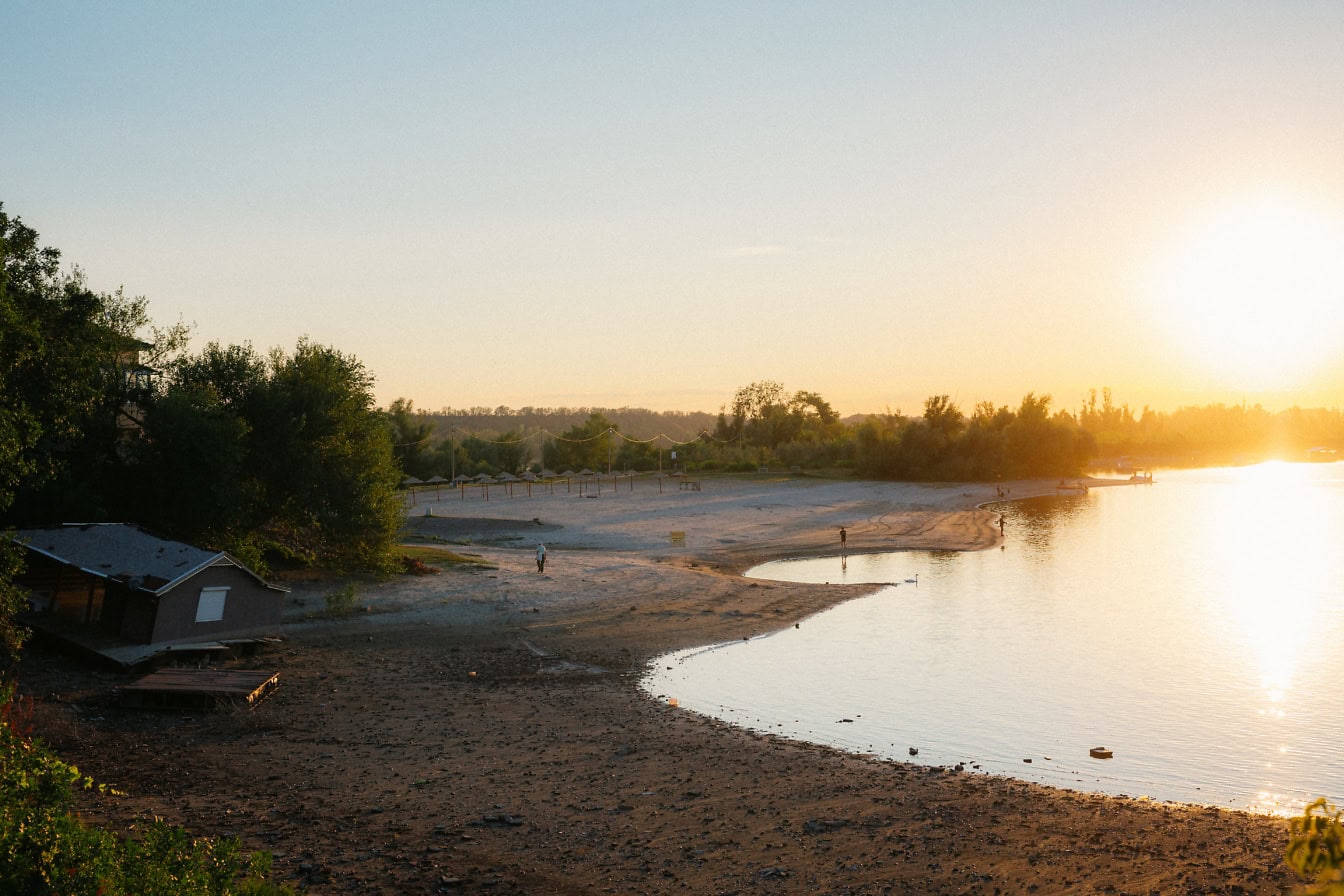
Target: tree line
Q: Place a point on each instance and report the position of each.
(767, 425)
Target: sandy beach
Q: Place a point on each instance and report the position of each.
(481, 731)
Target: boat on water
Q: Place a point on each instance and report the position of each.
(1071, 487)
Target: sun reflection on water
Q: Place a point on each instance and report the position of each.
(1193, 630)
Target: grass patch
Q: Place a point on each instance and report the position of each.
(442, 557)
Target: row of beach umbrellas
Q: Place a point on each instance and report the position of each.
(487, 479)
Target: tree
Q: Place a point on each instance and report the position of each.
(1037, 445)
(285, 455)
(411, 432)
(63, 391)
(586, 446)
(322, 457)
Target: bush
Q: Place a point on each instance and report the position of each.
(45, 848)
(1316, 848)
(342, 600)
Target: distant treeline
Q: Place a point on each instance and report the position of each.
(638, 422)
(766, 426)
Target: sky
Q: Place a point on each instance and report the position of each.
(654, 204)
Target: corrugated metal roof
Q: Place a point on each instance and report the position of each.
(124, 552)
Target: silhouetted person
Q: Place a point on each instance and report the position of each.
(842, 538)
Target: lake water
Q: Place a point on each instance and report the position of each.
(1193, 627)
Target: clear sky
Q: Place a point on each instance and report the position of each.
(653, 204)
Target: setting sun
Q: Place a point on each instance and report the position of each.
(1253, 290)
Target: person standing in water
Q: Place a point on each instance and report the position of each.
(842, 538)
(541, 558)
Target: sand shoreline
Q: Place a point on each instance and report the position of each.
(483, 730)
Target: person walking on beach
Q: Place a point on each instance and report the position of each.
(842, 538)
(1000, 524)
(541, 558)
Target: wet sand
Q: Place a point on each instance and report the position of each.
(481, 731)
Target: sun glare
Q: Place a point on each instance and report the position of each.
(1255, 291)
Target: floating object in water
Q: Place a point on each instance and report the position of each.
(914, 751)
(1100, 753)
(914, 581)
(1028, 760)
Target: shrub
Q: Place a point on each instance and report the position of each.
(1316, 848)
(45, 848)
(342, 600)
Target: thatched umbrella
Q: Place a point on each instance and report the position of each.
(437, 482)
(411, 482)
(460, 480)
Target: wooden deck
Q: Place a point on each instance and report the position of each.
(198, 689)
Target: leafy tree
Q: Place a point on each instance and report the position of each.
(411, 433)
(589, 445)
(321, 456)
(194, 468)
(818, 406)
(505, 454)
(289, 450)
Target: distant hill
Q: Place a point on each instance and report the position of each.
(638, 423)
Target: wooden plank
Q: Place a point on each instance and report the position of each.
(196, 688)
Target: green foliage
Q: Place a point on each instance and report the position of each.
(45, 848)
(342, 600)
(591, 445)
(411, 433)
(993, 443)
(11, 602)
(294, 458)
(1316, 848)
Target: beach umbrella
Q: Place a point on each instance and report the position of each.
(437, 482)
(411, 482)
(568, 474)
(506, 477)
(461, 478)
(529, 476)
(484, 477)
(547, 474)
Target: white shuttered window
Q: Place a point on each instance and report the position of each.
(210, 607)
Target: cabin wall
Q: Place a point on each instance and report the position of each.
(249, 608)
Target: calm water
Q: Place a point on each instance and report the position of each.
(1193, 627)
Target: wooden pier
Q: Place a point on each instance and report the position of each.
(199, 689)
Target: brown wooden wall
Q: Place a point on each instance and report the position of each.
(249, 609)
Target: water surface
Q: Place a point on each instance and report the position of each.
(1192, 627)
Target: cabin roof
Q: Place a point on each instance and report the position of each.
(126, 553)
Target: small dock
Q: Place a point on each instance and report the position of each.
(199, 689)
